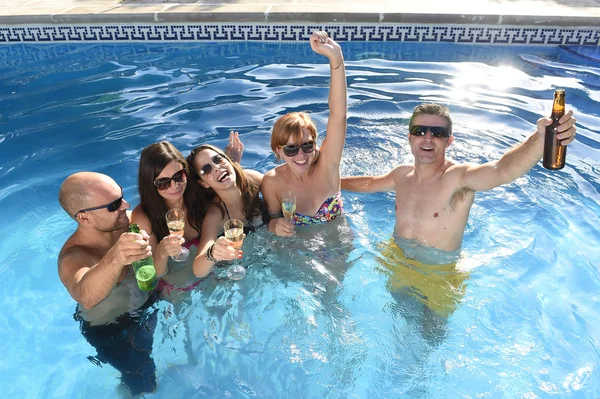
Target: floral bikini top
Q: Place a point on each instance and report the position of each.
(331, 209)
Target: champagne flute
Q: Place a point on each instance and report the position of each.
(288, 205)
(234, 232)
(176, 223)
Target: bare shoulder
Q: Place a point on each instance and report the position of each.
(455, 182)
(141, 219)
(274, 177)
(456, 172)
(139, 216)
(73, 257)
(401, 171)
(213, 214)
(211, 225)
(276, 172)
(137, 213)
(254, 175)
(452, 167)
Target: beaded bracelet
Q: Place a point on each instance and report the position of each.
(209, 254)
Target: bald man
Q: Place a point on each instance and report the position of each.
(94, 265)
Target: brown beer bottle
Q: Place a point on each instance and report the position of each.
(555, 154)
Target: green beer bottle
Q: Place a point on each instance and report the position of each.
(145, 273)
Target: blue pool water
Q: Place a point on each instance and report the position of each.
(311, 321)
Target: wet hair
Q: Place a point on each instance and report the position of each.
(252, 202)
(153, 160)
(431, 109)
(291, 125)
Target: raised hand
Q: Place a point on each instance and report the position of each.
(235, 148)
(322, 44)
(566, 129)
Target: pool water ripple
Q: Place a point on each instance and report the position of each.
(316, 316)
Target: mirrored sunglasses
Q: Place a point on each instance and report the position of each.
(436, 131)
(291, 150)
(165, 182)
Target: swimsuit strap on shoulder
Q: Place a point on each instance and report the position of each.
(226, 210)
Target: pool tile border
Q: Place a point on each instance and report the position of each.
(227, 32)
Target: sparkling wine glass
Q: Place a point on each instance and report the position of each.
(288, 205)
(234, 232)
(176, 223)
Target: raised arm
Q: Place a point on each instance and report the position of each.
(370, 184)
(519, 159)
(88, 281)
(333, 144)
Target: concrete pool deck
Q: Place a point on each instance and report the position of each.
(575, 13)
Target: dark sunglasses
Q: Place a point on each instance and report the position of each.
(111, 207)
(207, 168)
(436, 131)
(291, 150)
(165, 182)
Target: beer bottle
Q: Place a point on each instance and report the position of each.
(145, 273)
(555, 154)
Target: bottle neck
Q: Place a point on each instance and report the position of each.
(558, 106)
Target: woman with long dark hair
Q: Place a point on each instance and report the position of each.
(162, 183)
(228, 192)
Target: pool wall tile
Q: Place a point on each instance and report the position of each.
(228, 32)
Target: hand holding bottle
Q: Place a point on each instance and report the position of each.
(558, 131)
(145, 273)
(132, 247)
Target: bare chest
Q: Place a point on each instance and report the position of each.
(431, 202)
(310, 194)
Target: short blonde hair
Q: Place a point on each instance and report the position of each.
(291, 125)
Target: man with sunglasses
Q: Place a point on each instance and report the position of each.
(94, 265)
(434, 195)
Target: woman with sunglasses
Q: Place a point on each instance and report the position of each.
(313, 174)
(163, 185)
(228, 192)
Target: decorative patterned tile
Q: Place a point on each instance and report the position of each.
(474, 34)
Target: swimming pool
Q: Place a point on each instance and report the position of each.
(310, 321)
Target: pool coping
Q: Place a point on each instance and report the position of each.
(575, 13)
(273, 16)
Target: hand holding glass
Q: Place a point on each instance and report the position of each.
(176, 223)
(288, 205)
(234, 232)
